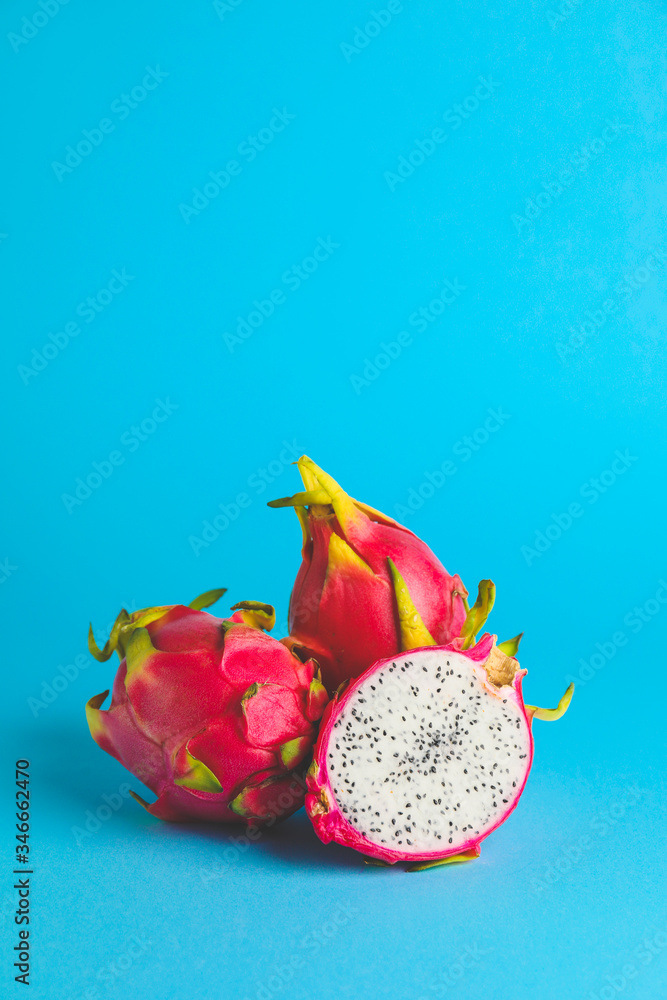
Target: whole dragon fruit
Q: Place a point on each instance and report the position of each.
(344, 607)
(426, 753)
(214, 715)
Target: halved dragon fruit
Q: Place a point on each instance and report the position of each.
(426, 753)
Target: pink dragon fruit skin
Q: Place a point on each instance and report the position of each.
(214, 715)
(359, 797)
(343, 606)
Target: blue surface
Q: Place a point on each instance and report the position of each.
(541, 200)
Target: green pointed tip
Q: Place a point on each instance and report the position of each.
(256, 614)
(510, 647)
(305, 499)
(479, 612)
(250, 693)
(199, 777)
(94, 717)
(294, 751)
(240, 805)
(114, 641)
(375, 862)
(139, 648)
(100, 654)
(207, 599)
(142, 802)
(413, 632)
(553, 714)
(454, 859)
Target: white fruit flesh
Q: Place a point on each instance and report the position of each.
(426, 755)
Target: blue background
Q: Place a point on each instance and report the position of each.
(566, 892)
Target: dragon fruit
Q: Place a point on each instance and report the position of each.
(214, 715)
(344, 608)
(426, 753)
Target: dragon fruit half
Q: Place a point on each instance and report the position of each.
(344, 607)
(427, 753)
(214, 715)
